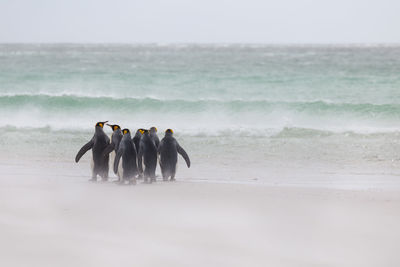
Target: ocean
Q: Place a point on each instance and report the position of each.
(309, 115)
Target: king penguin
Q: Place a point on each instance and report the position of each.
(98, 143)
(127, 154)
(168, 151)
(148, 154)
(112, 148)
(136, 141)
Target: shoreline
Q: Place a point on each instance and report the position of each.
(349, 180)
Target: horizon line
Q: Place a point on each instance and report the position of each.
(209, 43)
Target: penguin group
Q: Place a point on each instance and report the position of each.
(133, 157)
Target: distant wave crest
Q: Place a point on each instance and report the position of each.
(69, 101)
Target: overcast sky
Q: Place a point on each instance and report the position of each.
(200, 21)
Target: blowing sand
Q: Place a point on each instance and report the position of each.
(68, 221)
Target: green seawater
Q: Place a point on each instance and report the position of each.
(241, 111)
(226, 87)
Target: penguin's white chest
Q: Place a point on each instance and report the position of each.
(112, 157)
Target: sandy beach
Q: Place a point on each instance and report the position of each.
(49, 220)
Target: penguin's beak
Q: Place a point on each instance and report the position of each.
(110, 126)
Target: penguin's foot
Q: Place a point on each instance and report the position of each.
(93, 180)
(172, 179)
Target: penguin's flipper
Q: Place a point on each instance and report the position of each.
(84, 149)
(117, 159)
(108, 149)
(183, 154)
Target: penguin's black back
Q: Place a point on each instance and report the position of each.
(168, 151)
(129, 156)
(149, 150)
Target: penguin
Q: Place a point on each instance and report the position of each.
(154, 137)
(147, 153)
(168, 151)
(98, 143)
(136, 141)
(127, 154)
(112, 148)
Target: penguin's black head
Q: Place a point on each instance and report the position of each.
(169, 132)
(141, 131)
(101, 124)
(153, 130)
(126, 131)
(145, 131)
(114, 127)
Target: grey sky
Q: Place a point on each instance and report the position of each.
(204, 21)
